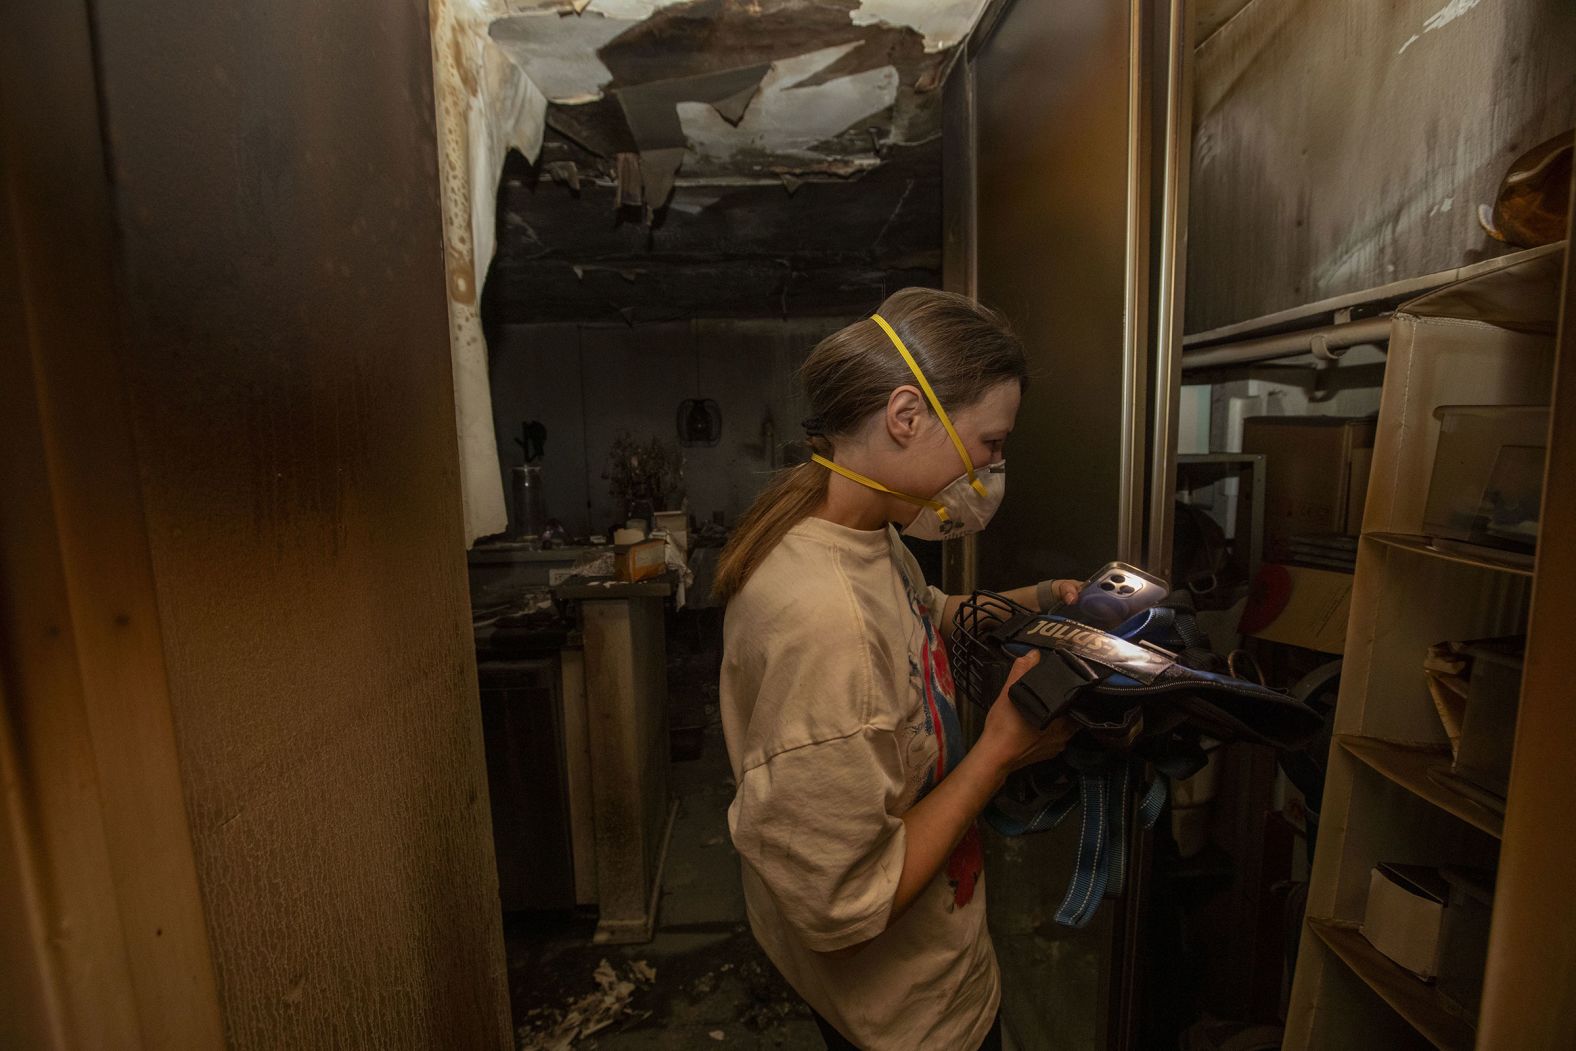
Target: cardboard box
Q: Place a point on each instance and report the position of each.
(639, 561)
(1489, 335)
(1487, 483)
(1488, 726)
(1463, 938)
(1406, 909)
(1300, 606)
(1357, 491)
(1309, 471)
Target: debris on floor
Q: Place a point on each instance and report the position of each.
(702, 980)
(556, 1029)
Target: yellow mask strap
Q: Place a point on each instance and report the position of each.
(855, 476)
(935, 403)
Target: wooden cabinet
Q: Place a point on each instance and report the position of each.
(522, 724)
(626, 736)
(1484, 341)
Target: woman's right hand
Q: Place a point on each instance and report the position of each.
(1009, 740)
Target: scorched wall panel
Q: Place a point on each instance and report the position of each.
(1341, 145)
(276, 188)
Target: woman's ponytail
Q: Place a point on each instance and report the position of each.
(964, 350)
(790, 496)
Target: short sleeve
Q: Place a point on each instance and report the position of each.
(814, 823)
(938, 605)
(935, 599)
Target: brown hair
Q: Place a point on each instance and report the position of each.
(964, 350)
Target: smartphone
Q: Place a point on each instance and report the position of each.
(1115, 593)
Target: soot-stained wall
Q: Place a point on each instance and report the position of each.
(275, 183)
(586, 383)
(1341, 145)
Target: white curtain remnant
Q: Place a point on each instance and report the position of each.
(486, 105)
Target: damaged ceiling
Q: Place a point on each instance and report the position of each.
(723, 157)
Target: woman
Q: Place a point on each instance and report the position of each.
(856, 802)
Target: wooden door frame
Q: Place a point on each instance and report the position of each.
(97, 851)
(1529, 990)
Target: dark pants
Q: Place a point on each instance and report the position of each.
(836, 1041)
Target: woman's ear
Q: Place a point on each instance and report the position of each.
(905, 414)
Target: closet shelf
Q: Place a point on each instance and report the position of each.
(1483, 558)
(1413, 999)
(1410, 767)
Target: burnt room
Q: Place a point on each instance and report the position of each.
(506, 539)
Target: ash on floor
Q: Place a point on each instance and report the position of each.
(702, 981)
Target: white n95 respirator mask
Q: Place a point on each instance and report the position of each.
(964, 505)
(967, 509)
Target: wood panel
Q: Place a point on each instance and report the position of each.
(522, 723)
(1529, 997)
(274, 190)
(1059, 177)
(105, 940)
(1412, 999)
(577, 773)
(627, 723)
(1214, 14)
(587, 384)
(1051, 234)
(1379, 803)
(1341, 145)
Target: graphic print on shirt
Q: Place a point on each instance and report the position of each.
(932, 678)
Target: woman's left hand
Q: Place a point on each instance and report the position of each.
(1008, 741)
(1051, 591)
(1041, 597)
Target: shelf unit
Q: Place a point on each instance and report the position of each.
(1418, 770)
(1414, 1001)
(1483, 559)
(1388, 795)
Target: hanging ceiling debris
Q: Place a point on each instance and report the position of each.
(723, 157)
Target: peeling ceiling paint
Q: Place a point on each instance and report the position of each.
(635, 10)
(723, 157)
(542, 7)
(942, 22)
(559, 54)
(805, 134)
(831, 68)
(629, 10)
(719, 251)
(787, 117)
(693, 200)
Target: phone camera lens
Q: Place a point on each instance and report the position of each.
(1105, 585)
(1117, 578)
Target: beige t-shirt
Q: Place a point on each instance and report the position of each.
(837, 712)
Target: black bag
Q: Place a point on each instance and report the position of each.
(1148, 694)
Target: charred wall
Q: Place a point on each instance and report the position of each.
(274, 178)
(1341, 146)
(586, 383)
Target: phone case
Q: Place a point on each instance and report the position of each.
(1115, 593)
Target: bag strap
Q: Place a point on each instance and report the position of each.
(1100, 870)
